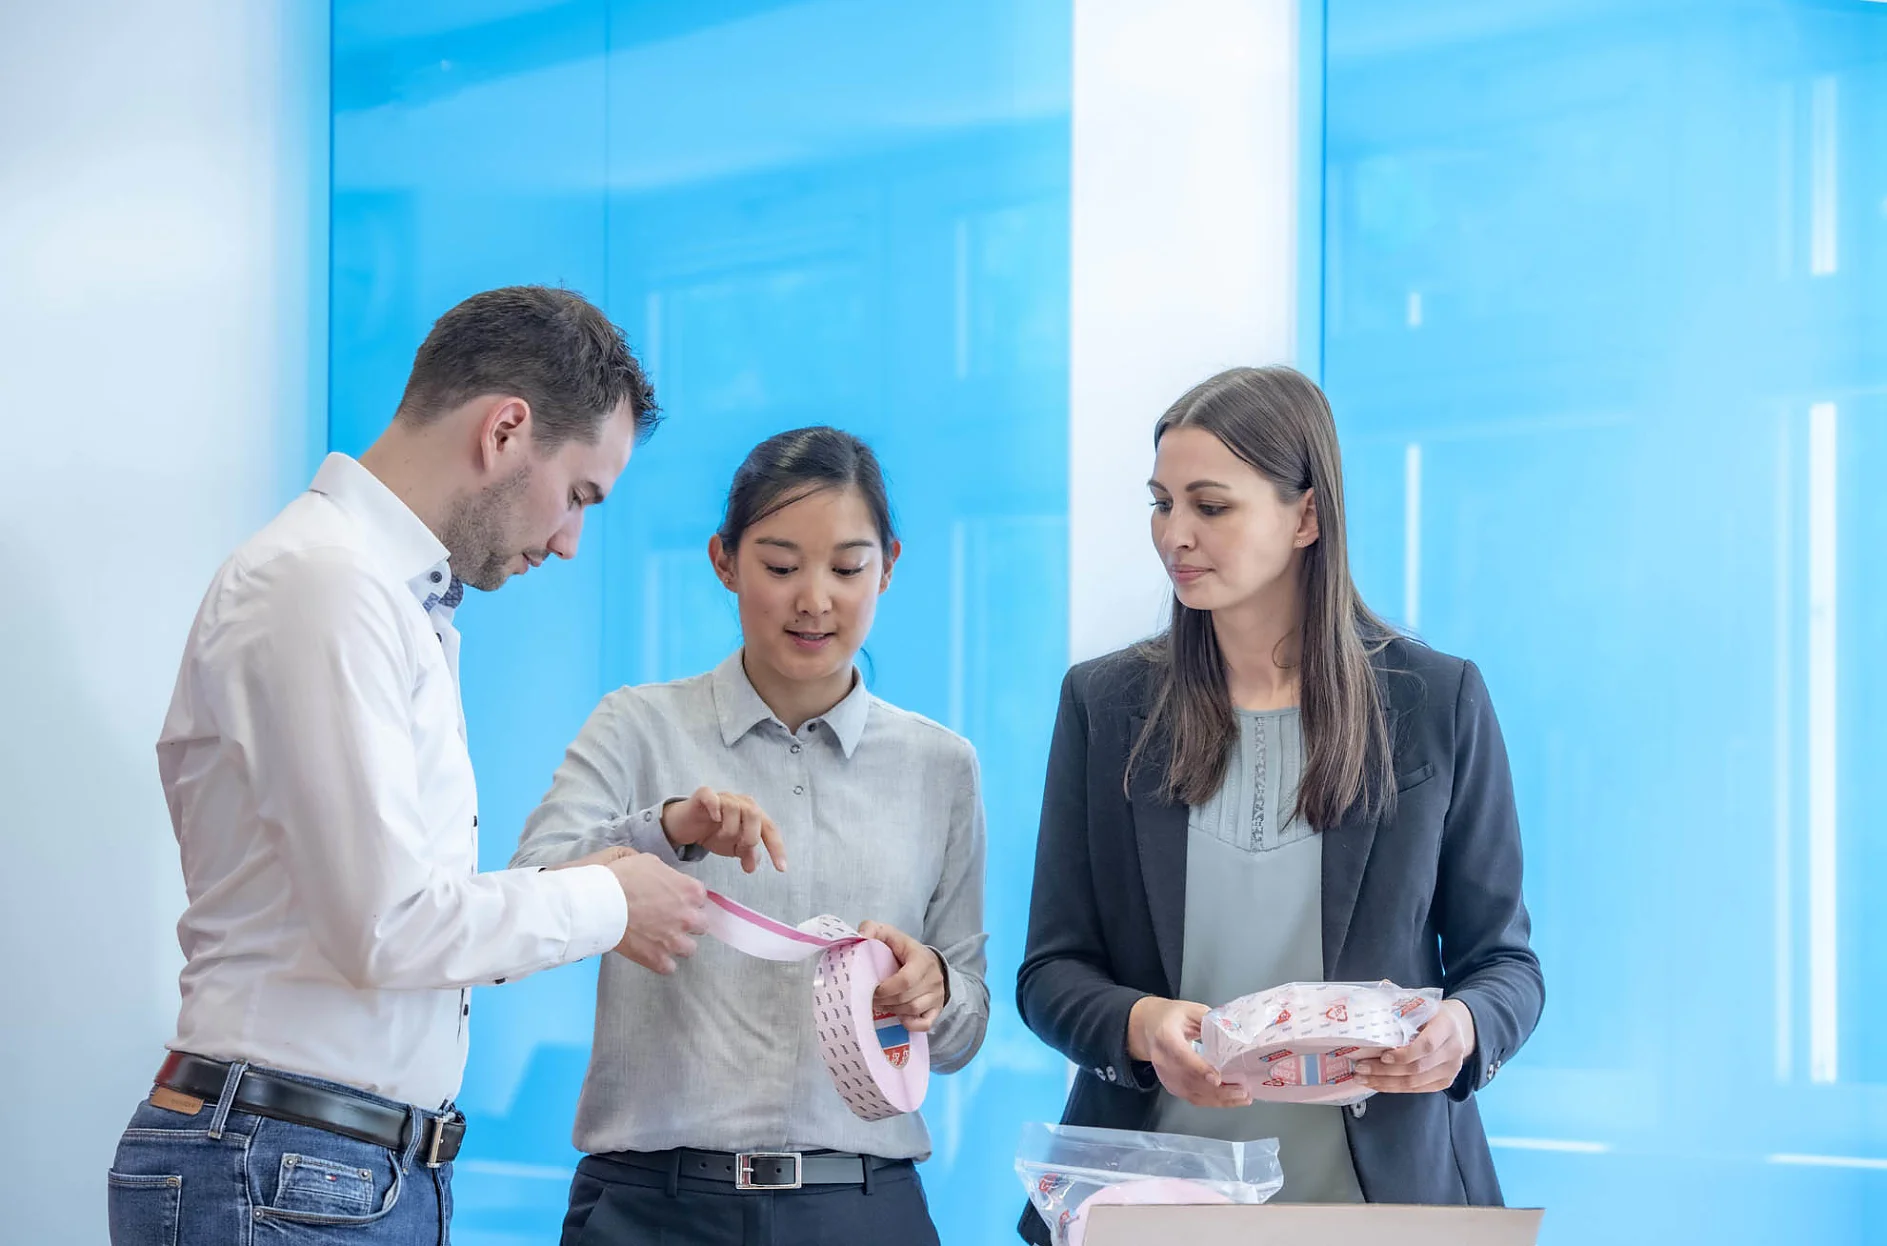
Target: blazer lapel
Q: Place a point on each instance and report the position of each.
(1347, 845)
(1346, 855)
(1160, 831)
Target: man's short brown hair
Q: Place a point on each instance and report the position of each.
(553, 348)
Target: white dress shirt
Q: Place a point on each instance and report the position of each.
(315, 764)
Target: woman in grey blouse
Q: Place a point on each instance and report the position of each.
(707, 1115)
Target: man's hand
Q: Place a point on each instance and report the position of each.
(666, 907)
(726, 824)
(1431, 1062)
(915, 993)
(1162, 1032)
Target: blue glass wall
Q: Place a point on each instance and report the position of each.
(1605, 325)
(840, 212)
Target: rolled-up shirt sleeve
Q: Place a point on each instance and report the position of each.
(315, 679)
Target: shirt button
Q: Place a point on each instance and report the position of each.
(436, 577)
(799, 791)
(796, 748)
(474, 821)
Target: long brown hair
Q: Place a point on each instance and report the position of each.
(1278, 421)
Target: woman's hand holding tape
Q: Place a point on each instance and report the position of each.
(917, 992)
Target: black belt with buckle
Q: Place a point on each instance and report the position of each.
(262, 1093)
(759, 1170)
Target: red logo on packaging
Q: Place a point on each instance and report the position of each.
(1283, 1017)
(893, 1037)
(1338, 1012)
(1344, 1051)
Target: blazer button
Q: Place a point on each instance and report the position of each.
(1357, 1110)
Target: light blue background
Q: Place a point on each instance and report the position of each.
(1608, 214)
(837, 212)
(1608, 211)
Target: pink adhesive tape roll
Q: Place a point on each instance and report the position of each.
(878, 1067)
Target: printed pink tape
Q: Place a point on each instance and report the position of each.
(879, 1068)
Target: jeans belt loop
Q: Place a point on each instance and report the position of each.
(437, 1125)
(232, 1082)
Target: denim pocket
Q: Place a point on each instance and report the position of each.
(322, 1187)
(302, 1175)
(143, 1210)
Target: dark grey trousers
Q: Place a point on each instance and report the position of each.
(615, 1204)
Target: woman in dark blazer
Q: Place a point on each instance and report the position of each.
(1277, 788)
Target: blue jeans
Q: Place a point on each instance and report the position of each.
(226, 1178)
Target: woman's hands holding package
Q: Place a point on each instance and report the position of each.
(1431, 1062)
(1162, 1032)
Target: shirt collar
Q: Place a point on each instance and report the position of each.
(741, 710)
(400, 539)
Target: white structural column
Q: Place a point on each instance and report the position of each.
(163, 217)
(1185, 243)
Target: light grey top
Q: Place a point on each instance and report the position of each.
(1254, 920)
(882, 815)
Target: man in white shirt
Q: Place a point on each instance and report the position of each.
(315, 763)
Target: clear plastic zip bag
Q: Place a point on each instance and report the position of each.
(1068, 1169)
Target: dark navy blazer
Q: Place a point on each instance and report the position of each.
(1428, 896)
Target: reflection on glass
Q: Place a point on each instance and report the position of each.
(1605, 328)
(830, 212)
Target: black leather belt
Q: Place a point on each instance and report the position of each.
(758, 1170)
(262, 1093)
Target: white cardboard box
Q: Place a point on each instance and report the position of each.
(1296, 1224)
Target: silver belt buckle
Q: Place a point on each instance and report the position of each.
(437, 1125)
(743, 1170)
